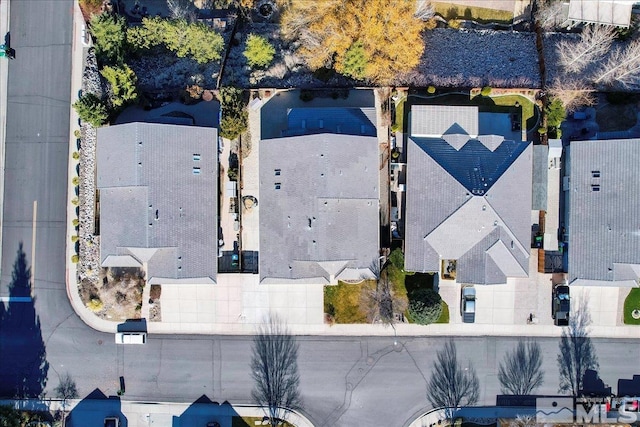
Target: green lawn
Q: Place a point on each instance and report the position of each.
(444, 317)
(480, 14)
(528, 112)
(397, 280)
(632, 302)
(344, 301)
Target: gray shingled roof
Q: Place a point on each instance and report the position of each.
(146, 170)
(438, 120)
(488, 233)
(604, 225)
(322, 221)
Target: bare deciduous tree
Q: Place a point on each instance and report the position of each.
(65, 390)
(274, 368)
(520, 372)
(381, 302)
(595, 42)
(425, 10)
(523, 421)
(577, 353)
(181, 9)
(622, 67)
(574, 93)
(451, 386)
(549, 14)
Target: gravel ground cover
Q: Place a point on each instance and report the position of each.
(111, 294)
(476, 58)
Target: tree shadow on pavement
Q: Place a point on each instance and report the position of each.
(22, 350)
(577, 353)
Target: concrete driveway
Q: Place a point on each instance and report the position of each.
(512, 303)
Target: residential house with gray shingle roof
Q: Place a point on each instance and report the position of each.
(319, 192)
(468, 195)
(158, 200)
(604, 212)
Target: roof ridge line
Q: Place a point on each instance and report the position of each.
(506, 227)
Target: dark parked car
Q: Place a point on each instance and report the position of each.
(468, 304)
(112, 422)
(560, 305)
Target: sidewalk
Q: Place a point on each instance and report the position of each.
(77, 65)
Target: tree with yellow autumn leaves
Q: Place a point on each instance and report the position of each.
(371, 40)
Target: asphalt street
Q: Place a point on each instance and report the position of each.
(37, 139)
(346, 381)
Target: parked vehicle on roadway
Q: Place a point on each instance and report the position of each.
(131, 338)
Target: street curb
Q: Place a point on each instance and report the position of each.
(86, 315)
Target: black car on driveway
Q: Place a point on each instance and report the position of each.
(560, 305)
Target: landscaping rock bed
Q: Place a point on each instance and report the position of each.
(89, 243)
(286, 71)
(164, 71)
(113, 295)
(476, 58)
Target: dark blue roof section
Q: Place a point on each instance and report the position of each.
(346, 121)
(474, 165)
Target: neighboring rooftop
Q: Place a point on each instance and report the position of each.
(158, 200)
(552, 209)
(539, 183)
(319, 208)
(469, 202)
(604, 219)
(604, 12)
